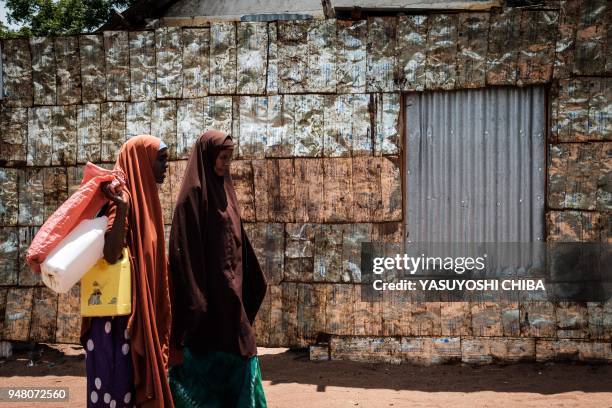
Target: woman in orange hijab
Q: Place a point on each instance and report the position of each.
(127, 356)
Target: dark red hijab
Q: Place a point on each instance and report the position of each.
(217, 282)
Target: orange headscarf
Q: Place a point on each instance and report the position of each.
(150, 322)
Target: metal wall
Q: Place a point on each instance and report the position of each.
(475, 163)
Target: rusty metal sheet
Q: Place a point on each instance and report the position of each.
(68, 70)
(328, 254)
(43, 70)
(16, 73)
(93, 72)
(252, 56)
(339, 309)
(337, 136)
(569, 12)
(566, 349)
(322, 50)
(222, 58)
(368, 314)
(309, 182)
(386, 109)
(68, 316)
(31, 197)
(117, 58)
(169, 62)
(338, 191)
(396, 316)
(88, 133)
(537, 319)
(261, 326)
(441, 52)
(18, 314)
(64, 146)
(3, 293)
(218, 113)
(576, 226)
(309, 124)
(236, 125)
(482, 350)
(352, 237)
(74, 178)
(289, 318)
(55, 190)
(276, 333)
(165, 194)
(9, 257)
(473, 30)
(391, 189)
(253, 127)
(351, 56)
(427, 351)
(163, 124)
(44, 315)
(318, 352)
(577, 176)
(571, 320)
(280, 128)
(504, 43)
(268, 241)
(486, 319)
(27, 277)
(142, 65)
(9, 199)
(242, 176)
(260, 185)
(281, 190)
(196, 62)
(299, 252)
(13, 143)
(425, 319)
(40, 136)
(138, 118)
(537, 52)
(366, 189)
(412, 51)
(292, 43)
(591, 35)
(366, 349)
(381, 55)
(272, 66)
(190, 124)
(455, 318)
(113, 121)
(599, 320)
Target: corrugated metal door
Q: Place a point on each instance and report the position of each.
(475, 162)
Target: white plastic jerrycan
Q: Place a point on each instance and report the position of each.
(77, 253)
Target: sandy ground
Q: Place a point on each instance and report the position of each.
(291, 380)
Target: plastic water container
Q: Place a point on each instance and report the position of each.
(75, 255)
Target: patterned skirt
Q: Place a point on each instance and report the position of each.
(217, 379)
(108, 361)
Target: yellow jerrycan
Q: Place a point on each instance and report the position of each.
(106, 288)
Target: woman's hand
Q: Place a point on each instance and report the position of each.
(118, 195)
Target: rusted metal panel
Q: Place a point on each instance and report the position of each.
(310, 312)
(9, 198)
(138, 118)
(281, 190)
(27, 277)
(577, 175)
(68, 316)
(504, 43)
(268, 241)
(396, 316)
(566, 349)
(386, 109)
(455, 318)
(43, 70)
(571, 320)
(366, 349)
(537, 52)
(472, 49)
(279, 134)
(486, 319)
(261, 326)
(165, 195)
(289, 319)
(425, 319)
(510, 315)
(18, 314)
(117, 58)
(381, 56)
(352, 237)
(411, 51)
(347, 129)
(591, 35)
(242, 176)
(9, 257)
(190, 124)
(252, 56)
(169, 62)
(366, 189)
(223, 58)
(89, 133)
(68, 70)
(272, 66)
(196, 62)
(569, 12)
(3, 293)
(253, 126)
(163, 124)
(368, 314)
(276, 333)
(537, 319)
(299, 252)
(430, 350)
(55, 190)
(31, 197)
(93, 75)
(328, 254)
(13, 143)
(40, 136)
(292, 40)
(218, 113)
(113, 123)
(388, 232)
(600, 320)
(322, 45)
(339, 309)
(338, 191)
(260, 185)
(319, 352)
(44, 315)
(576, 226)
(391, 189)
(309, 124)
(64, 147)
(441, 52)
(351, 56)
(142, 65)
(16, 73)
(75, 176)
(480, 350)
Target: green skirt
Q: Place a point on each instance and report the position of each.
(217, 379)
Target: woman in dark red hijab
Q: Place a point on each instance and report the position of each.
(217, 286)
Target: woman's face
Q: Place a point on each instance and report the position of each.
(161, 165)
(222, 164)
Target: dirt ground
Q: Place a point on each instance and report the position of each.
(291, 380)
